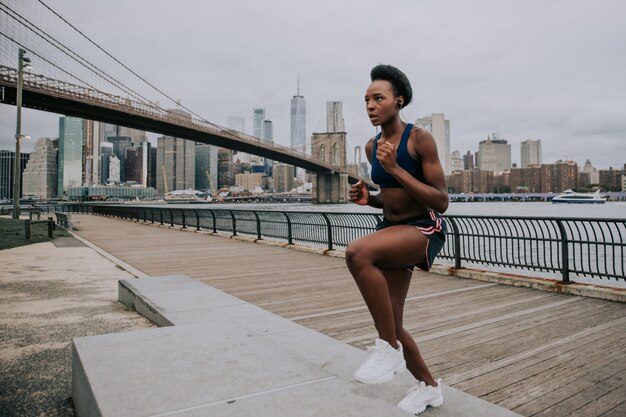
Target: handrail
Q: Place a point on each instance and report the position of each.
(571, 247)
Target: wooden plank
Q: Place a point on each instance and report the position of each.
(521, 348)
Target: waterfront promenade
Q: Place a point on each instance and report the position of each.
(533, 352)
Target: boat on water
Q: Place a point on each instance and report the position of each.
(187, 197)
(573, 197)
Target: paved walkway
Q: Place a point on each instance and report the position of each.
(533, 352)
(49, 294)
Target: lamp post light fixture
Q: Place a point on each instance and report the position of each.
(23, 62)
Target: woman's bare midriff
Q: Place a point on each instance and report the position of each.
(398, 205)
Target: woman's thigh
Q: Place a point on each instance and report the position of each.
(392, 247)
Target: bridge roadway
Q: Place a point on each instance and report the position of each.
(533, 352)
(46, 94)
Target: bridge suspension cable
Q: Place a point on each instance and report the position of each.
(118, 61)
(68, 52)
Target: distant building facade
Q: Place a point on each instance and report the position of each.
(206, 167)
(468, 161)
(258, 115)
(249, 181)
(39, 179)
(7, 172)
(70, 162)
(456, 161)
(494, 155)
(530, 153)
(440, 129)
(91, 152)
(298, 122)
(545, 178)
(176, 161)
(283, 177)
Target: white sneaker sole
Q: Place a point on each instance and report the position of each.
(381, 379)
(435, 404)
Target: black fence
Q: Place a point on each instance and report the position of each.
(570, 246)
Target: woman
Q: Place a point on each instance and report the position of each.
(406, 166)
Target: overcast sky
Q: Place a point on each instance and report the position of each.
(549, 70)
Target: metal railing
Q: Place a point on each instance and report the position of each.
(573, 247)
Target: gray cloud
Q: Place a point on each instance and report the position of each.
(530, 70)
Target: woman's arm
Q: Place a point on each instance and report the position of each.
(373, 200)
(359, 194)
(433, 191)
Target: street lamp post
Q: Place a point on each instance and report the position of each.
(18, 133)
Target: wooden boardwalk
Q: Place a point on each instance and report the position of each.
(533, 352)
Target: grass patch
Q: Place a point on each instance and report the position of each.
(12, 233)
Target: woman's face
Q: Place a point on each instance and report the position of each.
(381, 103)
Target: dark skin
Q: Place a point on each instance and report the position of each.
(378, 261)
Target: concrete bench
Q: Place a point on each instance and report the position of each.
(65, 220)
(220, 356)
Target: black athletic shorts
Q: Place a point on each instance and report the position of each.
(433, 226)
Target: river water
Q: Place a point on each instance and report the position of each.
(613, 210)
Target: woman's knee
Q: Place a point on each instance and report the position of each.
(357, 255)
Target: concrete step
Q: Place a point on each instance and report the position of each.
(221, 356)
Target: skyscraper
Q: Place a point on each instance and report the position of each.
(176, 162)
(91, 154)
(206, 165)
(40, 176)
(137, 163)
(257, 123)
(440, 129)
(7, 172)
(494, 155)
(106, 151)
(70, 163)
(531, 152)
(334, 117)
(298, 122)
(457, 161)
(268, 131)
(120, 145)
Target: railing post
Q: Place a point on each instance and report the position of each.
(214, 222)
(232, 215)
(171, 218)
(258, 226)
(50, 227)
(184, 218)
(564, 252)
(457, 243)
(27, 229)
(289, 234)
(197, 220)
(330, 231)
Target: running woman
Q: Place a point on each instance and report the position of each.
(406, 166)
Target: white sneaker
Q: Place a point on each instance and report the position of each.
(384, 361)
(421, 396)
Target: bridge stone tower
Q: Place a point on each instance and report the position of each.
(331, 187)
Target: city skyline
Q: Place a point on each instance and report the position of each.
(488, 68)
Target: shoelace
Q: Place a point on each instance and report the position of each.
(416, 388)
(376, 355)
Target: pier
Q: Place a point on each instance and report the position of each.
(533, 352)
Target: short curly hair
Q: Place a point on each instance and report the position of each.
(399, 81)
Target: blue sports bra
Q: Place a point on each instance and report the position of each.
(410, 165)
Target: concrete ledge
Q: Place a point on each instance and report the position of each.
(587, 290)
(221, 356)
